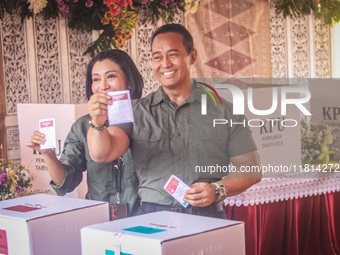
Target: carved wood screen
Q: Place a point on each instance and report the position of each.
(3, 154)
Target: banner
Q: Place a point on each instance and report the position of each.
(277, 135)
(325, 122)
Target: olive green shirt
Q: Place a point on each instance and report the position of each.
(101, 182)
(169, 139)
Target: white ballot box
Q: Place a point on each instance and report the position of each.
(47, 224)
(164, 233)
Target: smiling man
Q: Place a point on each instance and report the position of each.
(171, 137)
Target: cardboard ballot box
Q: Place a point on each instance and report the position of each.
(164, 233)
(47, 224)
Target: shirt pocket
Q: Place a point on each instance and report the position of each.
(150, 144)
(205, 131)
(147, 136)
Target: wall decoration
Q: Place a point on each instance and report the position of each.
(232, 38)
(114, 19)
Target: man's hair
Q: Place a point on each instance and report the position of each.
(125, 63)
(188, 42)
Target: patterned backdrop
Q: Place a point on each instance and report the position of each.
(43, 62)
(232, 38)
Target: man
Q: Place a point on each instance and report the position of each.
(170, 136)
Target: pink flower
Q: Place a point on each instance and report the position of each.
(89, 3)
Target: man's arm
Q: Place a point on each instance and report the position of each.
(203, 194)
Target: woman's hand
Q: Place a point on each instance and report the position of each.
(36, 140)
(97, 106)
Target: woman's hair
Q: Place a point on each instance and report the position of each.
(125, 63)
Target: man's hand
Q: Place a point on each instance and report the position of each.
(201, 194)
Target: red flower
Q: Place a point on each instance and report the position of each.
(110, 3)
(122, 3)
(115, 21)
(129, 2)
(105, 21)
(114, 10)
(108, 15)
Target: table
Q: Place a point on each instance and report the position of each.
(296, 214)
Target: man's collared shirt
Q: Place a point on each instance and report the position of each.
(169, 139)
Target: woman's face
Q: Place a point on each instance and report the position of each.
(107, 76)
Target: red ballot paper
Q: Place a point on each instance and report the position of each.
(22, 208)
(176, 188)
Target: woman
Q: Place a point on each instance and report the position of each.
(110, 70)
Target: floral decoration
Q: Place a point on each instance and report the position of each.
(317, 142)
(14, 180)
(113, 19)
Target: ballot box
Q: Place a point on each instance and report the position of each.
(164, 233)
(47, 224)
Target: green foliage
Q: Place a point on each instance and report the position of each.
(328, 10)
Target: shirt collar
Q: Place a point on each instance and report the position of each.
(160, 95)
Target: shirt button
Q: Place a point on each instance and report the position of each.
(178, 134)
(178, 158)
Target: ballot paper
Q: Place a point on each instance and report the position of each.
(120, 111)
(47, 127)
(176, 188)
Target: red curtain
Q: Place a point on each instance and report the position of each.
(304, 226)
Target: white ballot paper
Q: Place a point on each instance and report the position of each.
(176, 188)
(121, 109)
(47, 127)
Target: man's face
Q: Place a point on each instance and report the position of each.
(170, 61)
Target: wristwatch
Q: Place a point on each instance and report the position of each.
(221, 191)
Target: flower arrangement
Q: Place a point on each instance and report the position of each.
(317, 142)
(114, 19)
(328, 10)
(14, 180)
